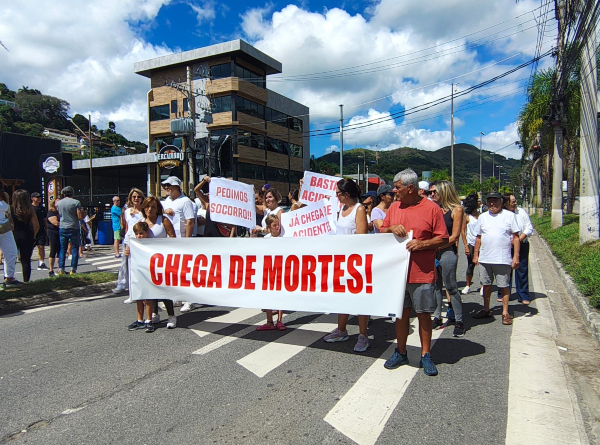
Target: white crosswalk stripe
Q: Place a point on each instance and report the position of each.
(104, 261)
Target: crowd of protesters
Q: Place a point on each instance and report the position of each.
(496, 240)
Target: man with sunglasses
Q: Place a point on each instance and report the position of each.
(425, 218)
(496, 230)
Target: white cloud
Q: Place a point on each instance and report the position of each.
(331, 149)
(204, 11)
(423, 139)
(85, 56)
(497, 140)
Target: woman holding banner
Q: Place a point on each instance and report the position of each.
(274, 229)
(272, 200)
(160, 227)
(352, 219)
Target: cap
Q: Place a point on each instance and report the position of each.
(267, 186)
(494, 195)
(423, 185)
(35, 195)
(369, 194)
(172, 180)
(384, 189)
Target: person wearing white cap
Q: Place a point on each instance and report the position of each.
(423, 189)
(180, 211)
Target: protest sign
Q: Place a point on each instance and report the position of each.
(349, 274)
(317, 186)
(232, 202)
(315, 219)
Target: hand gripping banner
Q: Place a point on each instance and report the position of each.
(349, 274)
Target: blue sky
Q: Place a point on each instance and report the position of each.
(388, 56)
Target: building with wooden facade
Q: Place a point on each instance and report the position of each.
(242, 130)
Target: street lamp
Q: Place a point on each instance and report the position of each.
(499, 167)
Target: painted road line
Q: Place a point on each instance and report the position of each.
(53, 305)
(274, 354)
(540, 409)
(214, 324)
(103, 261)
(364, 410)
(109, 266)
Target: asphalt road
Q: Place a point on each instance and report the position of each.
(71, 373)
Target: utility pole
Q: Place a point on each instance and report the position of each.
(91, 148)
(365, 178)
(589, 199)
(341, 141)
(480, 165)
(452, 132)
(192, 144)
(557, 167)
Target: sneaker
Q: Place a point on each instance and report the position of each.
(73, 272)
(118, 291)
(172, 322)
(136, 325)
(119, 256)
(61, 272)
(459, 330)
(149, 327)
(42, 267)
(51, 274)
(362, 344)
(128, 300)
(450, 315)
(70, 257)
(396, 360)
(466, 290)
(155, 318)
(11, 284)
(428, 366)
(336, 335)
(436, 323)
(188, 307)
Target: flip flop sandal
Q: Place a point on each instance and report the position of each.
(266, 327)
(482, 314)
(281, 326)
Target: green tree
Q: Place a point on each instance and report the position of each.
(439, 175)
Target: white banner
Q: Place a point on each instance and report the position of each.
(315, 219)
(317, 186)
(232, 202)
(349, 274)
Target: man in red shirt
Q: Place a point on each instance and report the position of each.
(425, 218)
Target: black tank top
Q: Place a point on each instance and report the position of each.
(20, 226)
(449, 225)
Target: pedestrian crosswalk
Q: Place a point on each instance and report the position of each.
(105, 262)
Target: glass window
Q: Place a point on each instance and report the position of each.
(174, 107)
(185, 106)
(296, 150)
(159, 113)
(220, 71)
(251, 171)
(221, 104)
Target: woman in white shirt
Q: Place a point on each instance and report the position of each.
(130, 216)
(7, 243)
(271, 206)
(471, 205)
(352, 220)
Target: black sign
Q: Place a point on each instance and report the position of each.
(170, 156)
(56, 164)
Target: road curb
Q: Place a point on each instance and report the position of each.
(12, 304)
(590, 315)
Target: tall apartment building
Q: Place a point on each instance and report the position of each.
(256, 135)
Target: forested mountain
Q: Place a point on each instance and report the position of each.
(28, 111)
(387, 163)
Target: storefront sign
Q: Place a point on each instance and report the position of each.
(347, 274)
(51, 165)
(170, 156)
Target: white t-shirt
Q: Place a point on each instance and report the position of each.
(131, 220)
(184, 210)
(496, 232)
(346, 225)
